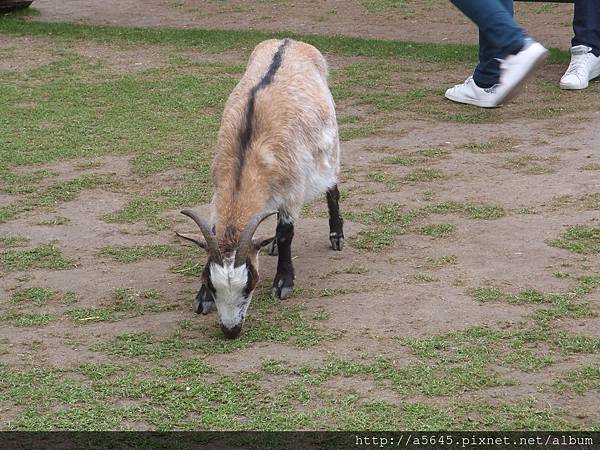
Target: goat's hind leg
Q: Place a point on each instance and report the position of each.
(336, 223)
(283, 284)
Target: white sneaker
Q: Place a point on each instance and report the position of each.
(515, 69)
(584, 67)
(471, 94)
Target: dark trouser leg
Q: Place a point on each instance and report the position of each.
(586, 25)
(336, 223)
(487, 72)
(283, 284)
(499, 35)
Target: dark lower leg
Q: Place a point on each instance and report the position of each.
(586, 25)
(487, 72)
(336, 223)
(283, 284)
(273, 251)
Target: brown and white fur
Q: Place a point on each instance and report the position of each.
(277, 148)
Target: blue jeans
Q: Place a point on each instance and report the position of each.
(586, 25)
(499, 35)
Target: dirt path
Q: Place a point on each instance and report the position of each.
(420, 21)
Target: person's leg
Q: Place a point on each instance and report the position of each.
(496, 24)
(487, 72)
(504, 42)
(585, 50)
(586, 25)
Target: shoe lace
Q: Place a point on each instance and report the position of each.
(577, 64)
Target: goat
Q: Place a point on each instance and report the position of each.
(277, 148)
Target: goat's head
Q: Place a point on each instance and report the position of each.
(229, 280)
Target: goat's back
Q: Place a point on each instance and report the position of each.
(279, 125)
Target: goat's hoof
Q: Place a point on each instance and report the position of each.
(337, 241)
(283, 286)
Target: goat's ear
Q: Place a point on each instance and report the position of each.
(199, 242)
(260, 242)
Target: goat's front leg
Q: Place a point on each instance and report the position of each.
(336, 223)
(283, 284)
(273, 251)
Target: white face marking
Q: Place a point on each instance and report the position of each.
(229, 283)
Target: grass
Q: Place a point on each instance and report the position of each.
(13, 241)
(21, 319)
(45, 256)
(55, 194)
(215, 41)
(388, 221)
(378, 6)
(439, 230)
(39, 296)
(440, 262)
(563, 305)
(125, 303)
(580, 239)
(422, 175)
(139, 253)
(496, 145)
(581, 380)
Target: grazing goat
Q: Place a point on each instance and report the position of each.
(277, 148)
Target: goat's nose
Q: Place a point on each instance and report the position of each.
(231, 333)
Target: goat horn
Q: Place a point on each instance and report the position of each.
(246, 238)
(211, 240)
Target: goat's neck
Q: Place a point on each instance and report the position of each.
(235, 210)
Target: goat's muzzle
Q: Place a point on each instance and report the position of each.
(231, 333)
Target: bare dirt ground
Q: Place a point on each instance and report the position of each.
(535, 161)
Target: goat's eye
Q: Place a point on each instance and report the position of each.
(210, 286)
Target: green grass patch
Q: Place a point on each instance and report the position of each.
(388, 221)
(422, 175)
(580, 380)
(126, 303)
(216, 41)
(140, 252)
(39, 296)
(438, 230)
(45, 256)
(378, 6)
(267, 321)
(13, 241)
(564, 305)
(495, 145)
(56, 194)
(21, 319)
(375, 240)
(580, 239)
(440, 262)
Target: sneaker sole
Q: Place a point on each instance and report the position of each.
(469, 101)
(570, 87)
(511, 93)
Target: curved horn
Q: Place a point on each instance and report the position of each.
(211, 240)
(246, 238)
